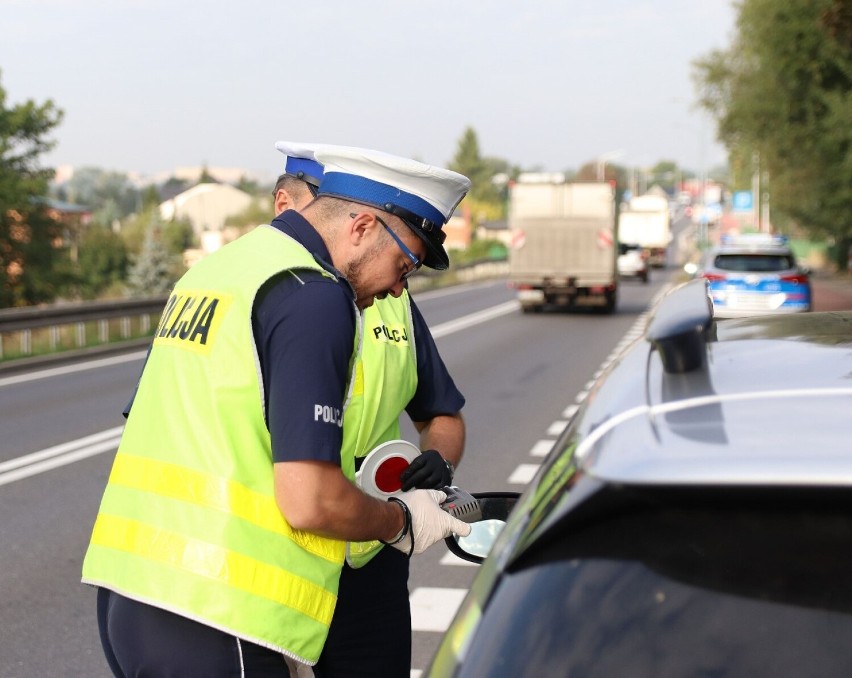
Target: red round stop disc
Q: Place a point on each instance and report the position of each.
(388, 472)
(379, 474)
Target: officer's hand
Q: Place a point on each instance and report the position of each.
(429, 470)
(429, 522)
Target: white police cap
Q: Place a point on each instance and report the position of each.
(300, 162)
(422, 195)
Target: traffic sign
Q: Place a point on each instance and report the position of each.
(743, 201)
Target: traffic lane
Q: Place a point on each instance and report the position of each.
(47, 616)
(46, 412)
(450, 303)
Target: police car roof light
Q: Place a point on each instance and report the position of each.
(679, 327)
(754, 240)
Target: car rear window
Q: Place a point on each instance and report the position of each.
(756, 263)
(678, 592)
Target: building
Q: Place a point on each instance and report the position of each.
(207, 207)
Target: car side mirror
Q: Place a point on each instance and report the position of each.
(622, 248)
(495, 508)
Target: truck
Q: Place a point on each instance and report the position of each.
(645, 222)
(563, 242)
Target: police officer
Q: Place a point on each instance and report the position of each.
(401, 370)
(221, 534)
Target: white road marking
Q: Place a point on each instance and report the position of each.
(432, 609)
(570, 411)
(474, 318)
(59, 455)
(541, 448)
(70, 369)
(523, 474)
(556, 428)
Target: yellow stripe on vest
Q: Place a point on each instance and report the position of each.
(221, 494)
(215, 563)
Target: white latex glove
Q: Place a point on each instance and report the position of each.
(429, 522)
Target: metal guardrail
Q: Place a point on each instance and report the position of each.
(63, 327)
(34, 317)
(57, 331)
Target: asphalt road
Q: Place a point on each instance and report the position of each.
(521, 374)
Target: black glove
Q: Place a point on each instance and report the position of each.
(428, 471)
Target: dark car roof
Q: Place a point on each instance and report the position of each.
(760, 405)
(766, 404)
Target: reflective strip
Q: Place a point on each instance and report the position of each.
(220, 494)
(215, 563)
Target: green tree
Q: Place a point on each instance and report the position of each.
(109, 195)
(259, 211)
(782, 98)
(178, 236)
(480, 171)
(150, 197)
(103, 261)
(152, 272)
(250, 186)
(486, 199)
(32, 268)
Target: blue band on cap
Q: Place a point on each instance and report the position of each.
(377, 194)
(311, 168)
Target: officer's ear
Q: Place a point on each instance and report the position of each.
(283, 201)
(361, 227)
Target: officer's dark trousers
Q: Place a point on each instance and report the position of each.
(370, 634)
(142, 641)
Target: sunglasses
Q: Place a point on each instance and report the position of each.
(416, 263)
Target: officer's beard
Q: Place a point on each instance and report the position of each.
(355, 273)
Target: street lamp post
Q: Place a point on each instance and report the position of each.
(603, 159)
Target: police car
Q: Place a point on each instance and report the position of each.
(693, 519)
(755, 274)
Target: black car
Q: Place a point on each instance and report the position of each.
(694, 519)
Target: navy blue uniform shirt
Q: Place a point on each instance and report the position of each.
(305, 332)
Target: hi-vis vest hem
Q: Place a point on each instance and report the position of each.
(189, 521)
(182, 613)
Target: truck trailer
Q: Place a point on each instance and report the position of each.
(563, 243)
(645, 222)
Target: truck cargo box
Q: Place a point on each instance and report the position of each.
(564, 244)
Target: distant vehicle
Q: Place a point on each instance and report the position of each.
(693, 519)
(755, 274)
(632, 262)
(646, 221)
(563, 244)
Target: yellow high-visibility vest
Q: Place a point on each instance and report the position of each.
(189, 521)
(385, 382)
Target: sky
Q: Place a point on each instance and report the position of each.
(151, 85)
